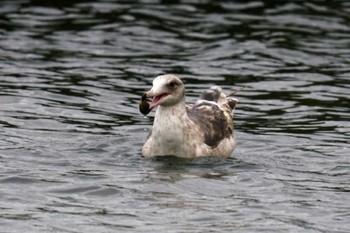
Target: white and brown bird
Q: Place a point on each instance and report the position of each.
(204, 128)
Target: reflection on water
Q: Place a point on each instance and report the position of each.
(72, 73)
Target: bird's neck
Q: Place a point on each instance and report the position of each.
(170, 119)
(168, 129)
(167, 112)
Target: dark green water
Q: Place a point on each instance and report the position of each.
(72, 74)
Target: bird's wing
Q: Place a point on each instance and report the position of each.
(211, 120)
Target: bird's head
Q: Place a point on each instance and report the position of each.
(167, 90)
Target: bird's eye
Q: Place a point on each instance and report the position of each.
(172, 84)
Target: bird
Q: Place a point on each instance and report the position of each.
(202, 129)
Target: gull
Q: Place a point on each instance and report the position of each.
(204, 128)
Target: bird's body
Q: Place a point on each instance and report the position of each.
(202, 129)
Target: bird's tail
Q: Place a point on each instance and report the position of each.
(232, 93)
(215, 94)
(232, 102)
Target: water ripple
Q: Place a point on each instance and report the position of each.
(72, 74)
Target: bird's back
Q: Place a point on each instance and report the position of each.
(213, 115)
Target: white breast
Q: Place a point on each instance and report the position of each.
(168, 134)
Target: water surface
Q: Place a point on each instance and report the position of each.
(72, 74)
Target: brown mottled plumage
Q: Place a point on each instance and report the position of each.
(212, 121)
(202, 129)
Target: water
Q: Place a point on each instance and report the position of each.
(72, 74)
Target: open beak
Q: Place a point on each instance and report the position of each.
(146, 107)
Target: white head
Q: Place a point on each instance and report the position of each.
(167, 90)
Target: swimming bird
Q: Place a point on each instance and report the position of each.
(204, 128)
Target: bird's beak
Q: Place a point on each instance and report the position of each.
(146, 107)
